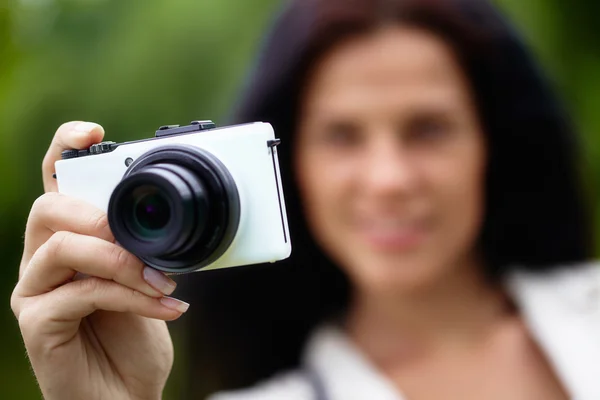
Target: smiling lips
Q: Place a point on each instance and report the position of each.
(392, 234)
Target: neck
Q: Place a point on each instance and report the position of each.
(457, 310)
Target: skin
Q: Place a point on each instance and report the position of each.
(391, 163)
(103, 337)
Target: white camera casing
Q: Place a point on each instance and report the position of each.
(262, 234)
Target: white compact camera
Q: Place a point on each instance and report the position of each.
(192, 198)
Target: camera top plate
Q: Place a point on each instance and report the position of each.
(163, 131)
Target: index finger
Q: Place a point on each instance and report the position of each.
(71, 135)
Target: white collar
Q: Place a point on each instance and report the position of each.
(345, 372)
(561, 310)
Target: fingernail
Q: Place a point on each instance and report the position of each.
(159, 281)
(85, 127)
(175, 304)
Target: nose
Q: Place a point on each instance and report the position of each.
(388, 169)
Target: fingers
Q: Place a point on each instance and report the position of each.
(71, 135)
(98, 294)
(53, 212)
(66, 254)
(60, 311)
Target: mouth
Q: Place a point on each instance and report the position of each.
(392, 234)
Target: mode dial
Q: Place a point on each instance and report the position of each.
(102, 147)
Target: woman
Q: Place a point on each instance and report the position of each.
(438, 253)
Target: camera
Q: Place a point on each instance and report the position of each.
(192, 198)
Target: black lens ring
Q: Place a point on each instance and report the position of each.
(198, 234)
(226, 213)
(118, 205)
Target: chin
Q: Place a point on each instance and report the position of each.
(393, 276)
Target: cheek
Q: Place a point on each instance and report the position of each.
(459, 202)
(325, 189)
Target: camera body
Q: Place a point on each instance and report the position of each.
(191, 198)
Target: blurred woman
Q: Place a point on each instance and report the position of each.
(438, 224)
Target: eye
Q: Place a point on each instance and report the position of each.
(343, 134)
(429, 128)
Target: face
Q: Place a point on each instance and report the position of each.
(390, 160)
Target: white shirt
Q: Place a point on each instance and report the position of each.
(561, 310)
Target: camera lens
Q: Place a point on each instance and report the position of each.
(177, 208)
(151, 212)
(159, 210)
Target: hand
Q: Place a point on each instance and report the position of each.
(102, 336)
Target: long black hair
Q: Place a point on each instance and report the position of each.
(247, 323)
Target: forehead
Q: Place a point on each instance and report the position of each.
(395, 64)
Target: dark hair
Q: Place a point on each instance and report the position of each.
(251, 322)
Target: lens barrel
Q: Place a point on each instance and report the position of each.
(177, 208)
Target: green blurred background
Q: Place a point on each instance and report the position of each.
(133, 65)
